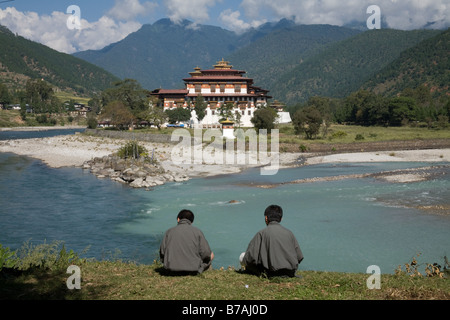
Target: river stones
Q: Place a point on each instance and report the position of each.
(136, 173)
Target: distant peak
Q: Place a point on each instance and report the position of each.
(169, 22)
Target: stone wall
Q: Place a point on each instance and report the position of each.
(132, 135)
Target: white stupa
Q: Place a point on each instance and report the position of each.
(228, 129)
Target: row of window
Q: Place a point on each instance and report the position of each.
(237, 88)
(249, 112)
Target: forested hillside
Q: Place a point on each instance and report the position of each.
(22, 59)
(282, 50)
(162, 54)
(427, 64)
(294, 62)
(344, 66)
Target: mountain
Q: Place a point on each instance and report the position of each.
(284, 48)
(427, 63)
(162, 54)
(344, 66)
(22, 59)
(293, 61)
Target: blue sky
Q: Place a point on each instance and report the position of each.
(105, 22)
(93, 10)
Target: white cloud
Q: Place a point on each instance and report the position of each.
(406, 15)
(231, 20)
(130, 9)
(52, 31)
(195, 10)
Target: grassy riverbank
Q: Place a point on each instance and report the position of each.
(103, 280)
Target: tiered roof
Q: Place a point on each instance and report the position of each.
(222, 71)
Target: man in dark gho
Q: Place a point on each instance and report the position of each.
(274, 250)
(184, 249)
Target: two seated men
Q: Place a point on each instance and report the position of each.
(273, 251)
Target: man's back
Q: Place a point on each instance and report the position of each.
(273, 249)
(184, 248)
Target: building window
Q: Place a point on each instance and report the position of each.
(237, 88)
(198, 88)
(249, 112)
(213, 88)
(222, 88)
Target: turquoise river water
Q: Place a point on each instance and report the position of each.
(345, 225)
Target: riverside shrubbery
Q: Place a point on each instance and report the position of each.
(53, 256)
(132, 150)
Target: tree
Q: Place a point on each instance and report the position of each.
(400, 109)
(155, 115)
(307, 121)
(40, 95)
(264, 118)
(130, 93)
(119, 115)
(95, 103)
(365, 108)
(178, 115)
(226, 111)
(5, 97)
(200, 107)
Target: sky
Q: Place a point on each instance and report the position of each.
(78, 25)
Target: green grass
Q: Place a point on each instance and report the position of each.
(66, 96)
(40, 272)
(348, 134)
(103, 280)
(9, 118)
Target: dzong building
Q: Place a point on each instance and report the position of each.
(219, 86)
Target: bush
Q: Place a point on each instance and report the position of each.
(338, 134)
(8, 258)
(47, 256)
(132, 150)
(91, 122)
(41, 118)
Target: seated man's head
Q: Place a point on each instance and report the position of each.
(186, 214)
(273, 213)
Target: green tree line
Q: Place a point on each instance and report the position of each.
(411, 107)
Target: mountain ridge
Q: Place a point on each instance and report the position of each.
(22, 59)
(166, 52)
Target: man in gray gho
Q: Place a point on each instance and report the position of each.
(184, 249)
(273, 251)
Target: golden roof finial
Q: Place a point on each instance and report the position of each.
(197, 72)
(223, 64)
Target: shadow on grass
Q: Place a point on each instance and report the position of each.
(41, 284)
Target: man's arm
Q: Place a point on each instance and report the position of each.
(298, 250)
(205, 250)
(252, 253)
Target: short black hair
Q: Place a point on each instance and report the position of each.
(186, 214)
(273, 213)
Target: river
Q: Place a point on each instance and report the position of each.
(344, 225)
